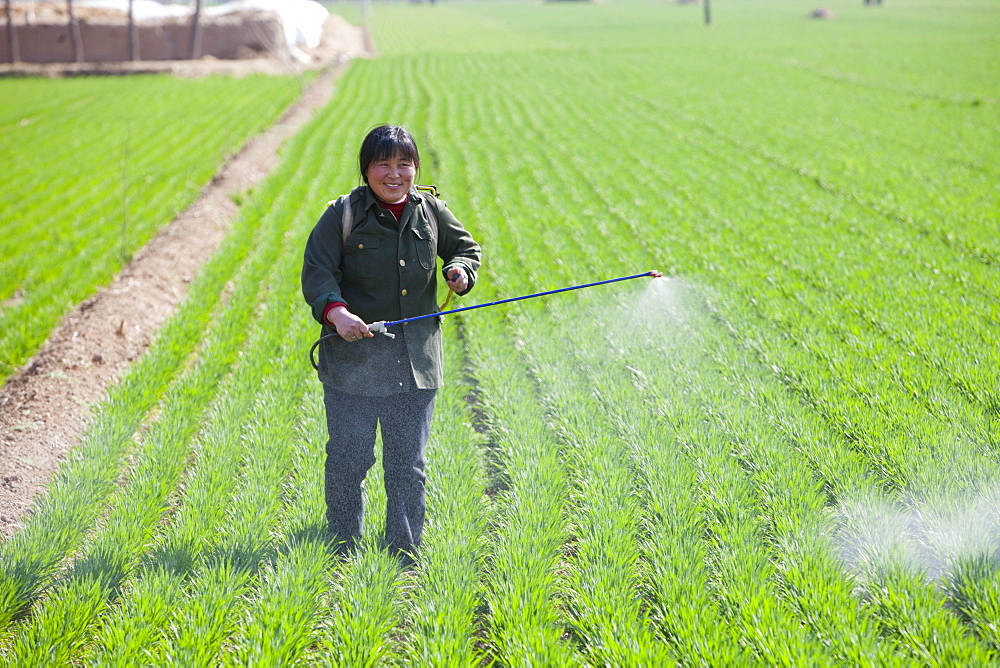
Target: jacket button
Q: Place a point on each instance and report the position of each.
(402, 263)
(360, 246)
(403, 292)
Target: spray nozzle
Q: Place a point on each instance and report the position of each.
(656, 274)
(379, 328)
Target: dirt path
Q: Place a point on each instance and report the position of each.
(45, 407)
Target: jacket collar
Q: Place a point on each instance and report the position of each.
(370, 199)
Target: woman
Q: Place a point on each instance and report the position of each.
(385, 269)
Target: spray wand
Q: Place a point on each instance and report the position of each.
(382, 326)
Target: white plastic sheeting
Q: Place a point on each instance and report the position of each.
(143, 10)
(302, 20)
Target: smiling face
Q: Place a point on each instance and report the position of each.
(389, 162)
(391, 178)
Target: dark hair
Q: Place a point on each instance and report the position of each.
(384, 142)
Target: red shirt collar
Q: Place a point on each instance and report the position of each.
(396, 208)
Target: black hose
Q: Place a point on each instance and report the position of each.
(312, 351)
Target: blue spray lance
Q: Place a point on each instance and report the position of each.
(382, 326)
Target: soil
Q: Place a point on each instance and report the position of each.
(46, 406)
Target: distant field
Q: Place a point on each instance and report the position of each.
(94, 167)
(787, 452)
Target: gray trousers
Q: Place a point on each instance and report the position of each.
(351, 421)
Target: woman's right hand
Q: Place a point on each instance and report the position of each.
(349, 326)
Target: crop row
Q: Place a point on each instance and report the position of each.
(217, 511)
(728, 252)
(770, 456)
(782, 513)
(100, 168)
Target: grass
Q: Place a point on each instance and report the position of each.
(99, 166)
(783, 453)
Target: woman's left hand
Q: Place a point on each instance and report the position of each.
(458, 281)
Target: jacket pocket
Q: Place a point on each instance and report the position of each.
(425, 247)
(362, 256)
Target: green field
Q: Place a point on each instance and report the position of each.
(787, 452)
(94, 169)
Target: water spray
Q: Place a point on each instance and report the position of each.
(382, 326)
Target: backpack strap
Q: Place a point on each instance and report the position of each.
(427, 192)
(347, 220)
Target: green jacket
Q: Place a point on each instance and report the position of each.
(385, 271)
